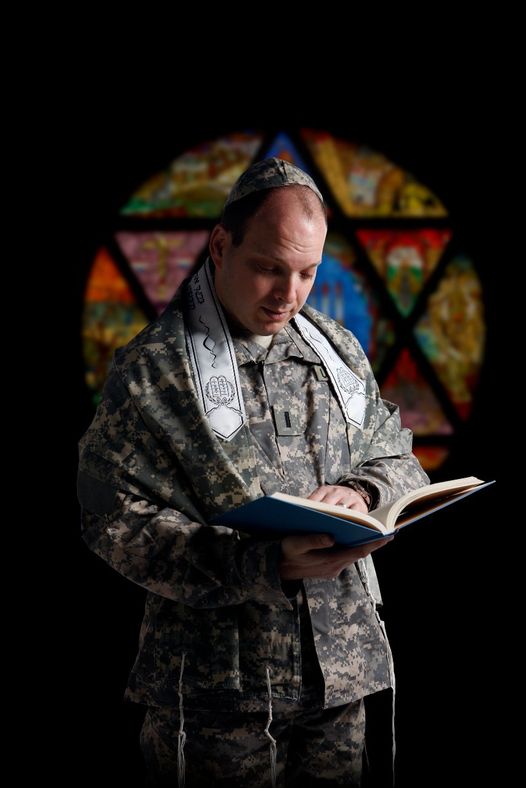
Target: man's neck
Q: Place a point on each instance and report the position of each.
(237, 331)
(264, 341)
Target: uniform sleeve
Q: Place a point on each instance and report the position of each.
(387, 468)
(161, 549)
(141, 515)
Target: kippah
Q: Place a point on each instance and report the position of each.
(269, 174)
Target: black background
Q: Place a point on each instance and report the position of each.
(440, 582)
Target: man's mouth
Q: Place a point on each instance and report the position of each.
(274, 314)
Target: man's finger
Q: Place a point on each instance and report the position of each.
(298, 545)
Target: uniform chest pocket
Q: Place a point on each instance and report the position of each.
(287, 421)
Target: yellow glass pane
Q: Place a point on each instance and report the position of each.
(366, 183)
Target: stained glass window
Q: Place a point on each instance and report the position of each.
(392, 271)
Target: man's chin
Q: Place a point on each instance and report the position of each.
(264, 324)
(271, 327)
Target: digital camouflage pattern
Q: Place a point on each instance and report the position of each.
(152, 474)
(270, 174)
(225, 748)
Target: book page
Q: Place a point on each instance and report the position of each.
(424, 499)
(385, 519)
(335, 510)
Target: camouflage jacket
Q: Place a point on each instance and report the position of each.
(152, 474)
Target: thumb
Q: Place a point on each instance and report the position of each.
(298, 545)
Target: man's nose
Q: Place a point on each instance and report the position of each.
(285, 290)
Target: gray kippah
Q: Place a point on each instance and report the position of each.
(269, 174)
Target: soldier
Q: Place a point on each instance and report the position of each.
(255, 655)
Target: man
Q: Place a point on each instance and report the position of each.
(255, 655)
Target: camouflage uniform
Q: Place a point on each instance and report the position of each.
(218, 625)
(229, 749)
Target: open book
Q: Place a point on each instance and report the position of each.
(282, 514)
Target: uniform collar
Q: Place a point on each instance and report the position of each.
(287, 343)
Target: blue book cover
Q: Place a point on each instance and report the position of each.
(273, 517)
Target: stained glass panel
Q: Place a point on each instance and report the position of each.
(284, 148)
(366, 183)
(161, 260)
(404, 259)
(196, 183)
(431, 457)
(342, 291)
(419, 408)
(400, 260)
(452, 332)
(110, 319)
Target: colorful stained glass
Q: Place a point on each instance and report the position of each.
(419, 408)
(404, 259)
(452, 332)
(366, 183)
(342, 291)
(197, 182)
(161, 260)
(106, 283)
(283, 147)
(110, 318)
(431, 457)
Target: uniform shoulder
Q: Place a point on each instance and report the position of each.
(334, 330)
(157, 339)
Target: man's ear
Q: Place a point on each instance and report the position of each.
(216, 245)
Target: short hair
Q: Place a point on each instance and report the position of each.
(236, 215)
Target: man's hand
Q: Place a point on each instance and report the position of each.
(339, 495)
(308, 556)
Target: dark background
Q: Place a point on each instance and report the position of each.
(443, 599)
